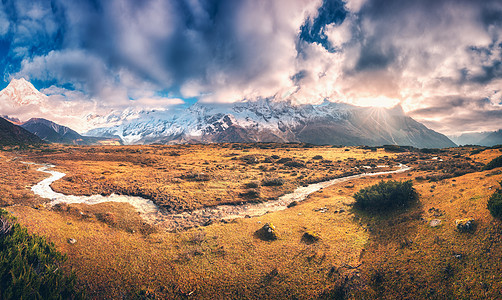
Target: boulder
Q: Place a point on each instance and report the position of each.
(267, 232)
(292, 204)
(310, 237)
(465, 225)
(435, 223)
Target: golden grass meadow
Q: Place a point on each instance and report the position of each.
(325, 248)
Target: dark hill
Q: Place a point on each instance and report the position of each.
(55, 133)
(51, 132)
(11, 134)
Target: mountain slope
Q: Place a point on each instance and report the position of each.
(11, 134)
(492, 139)
(252, 121)
(50, 131)
(486, 138)
(55, 133)
(269, 121)
(21, 92)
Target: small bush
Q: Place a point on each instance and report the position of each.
(477, 151)
(394, 148)
(284, 160)
(250, 159)
(30, 267)
(196, 177)
(310, 238)
(495, 163)
(385, 195)
(252, 185)
(495, 204)
(250, 194)
(272, 182)
(295, 164)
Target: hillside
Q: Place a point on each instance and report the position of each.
(11, 134)
(51, 132)
(486, 138)
(492, 139)
(55, 133)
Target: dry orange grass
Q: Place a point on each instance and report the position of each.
(16, 180)
(221, 259)
(408, 259)
(367, 256)
(180, 178)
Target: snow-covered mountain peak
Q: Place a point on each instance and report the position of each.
(22, 92)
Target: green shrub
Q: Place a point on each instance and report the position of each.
(395, 148)
(30, 267)
(272, 182)
(252, 185)
(495, 204)
(385, 195)
(494, 163)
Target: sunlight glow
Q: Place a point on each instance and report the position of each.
(380, 101)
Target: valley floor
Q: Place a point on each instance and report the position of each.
(358, 255)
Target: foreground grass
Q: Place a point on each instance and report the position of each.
(406, 258)
(30, 267)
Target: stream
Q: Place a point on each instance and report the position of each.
(153, 215)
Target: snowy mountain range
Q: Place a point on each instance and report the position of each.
(253, 121)
(270, 121)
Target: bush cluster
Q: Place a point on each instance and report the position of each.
(495, 203)
(30, 267)
(272, 182)
(385, 195)
(494, 163)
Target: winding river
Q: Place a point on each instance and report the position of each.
(153, 215)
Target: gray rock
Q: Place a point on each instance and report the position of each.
(267, 232)
(465, 225)
(435, 223)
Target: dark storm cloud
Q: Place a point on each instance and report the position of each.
(374, 56)
(448, 105)
(476, 121)
(463, 114)
(166, 43)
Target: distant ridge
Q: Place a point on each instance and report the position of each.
(274, 121)
(55, 133)
(492, 139)
(486, 138)
(11, 134)
(51, 132)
